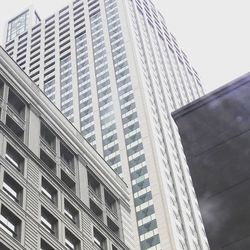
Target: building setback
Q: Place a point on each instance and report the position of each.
(216, 140)
(56, 191)
(116, 72)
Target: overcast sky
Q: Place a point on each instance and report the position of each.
(215, 34)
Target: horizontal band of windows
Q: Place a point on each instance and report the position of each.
(141, 185)
(150, 242)
(143, 198)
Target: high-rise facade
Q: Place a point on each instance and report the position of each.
(56, 191)
(115, 71)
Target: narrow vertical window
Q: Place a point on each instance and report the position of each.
(14, 158)
(10, 223)
(49, 191)
(71, 212)
(71, 241)
(100, 240)
(12, 189)
(49, 222)
(45, 245)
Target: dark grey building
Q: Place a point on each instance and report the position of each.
(56, 191)
(215, 133)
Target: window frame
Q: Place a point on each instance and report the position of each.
(15, 222)
(47, 245)
(101, 244)
(18, 189)
(44, 191)
(19, 166)
(50, 219)
(74, 240)
(75, 215)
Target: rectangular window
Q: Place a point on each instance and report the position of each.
(50, 163)
(12, 189)
(47, 136)
(68, 181)
(15, 127)
(110, 201)
(114, 248)
(100, 240)
(150, 242)
(10, 223)
(45, 246)
(49, 191)
(3, 247)
(113, 226)
(67, 158)
(94, 185)
(48, 221)
(71, 242)
(16, 104)
(147, 227)
(17, 26)
(96, 208)
(1, 88)
(14, 158)
(71, 212)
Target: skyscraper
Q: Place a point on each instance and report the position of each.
(117, 73)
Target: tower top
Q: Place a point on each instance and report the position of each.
(21, 23)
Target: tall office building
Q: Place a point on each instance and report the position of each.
(56, 191)
(115, 71)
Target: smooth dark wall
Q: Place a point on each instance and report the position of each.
(216, 141)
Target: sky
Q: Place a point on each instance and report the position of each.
(214, 34)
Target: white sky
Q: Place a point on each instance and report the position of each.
(215, 34)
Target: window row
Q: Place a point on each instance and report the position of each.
(96, 199)
(11, 224)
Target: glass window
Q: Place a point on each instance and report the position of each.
(12, 188)
(3, 247)
(113, 226)
(68, 181)
(67, 157)
(14, 127)
(10, 223)
(94, 185)
(150, 242)
(45, 246)
(140, 185)
(48, 221)
(71, 212)
(100, 240)
(16, 104)
(110, 201)
(94, 206)
(17, 26)
(49, 191)
(145, 212)
(14, 158)
(143, 198)
(114, 248)
(48, 137)
(49, 162)
(1, 88)
(147, 227)
(71, 242)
